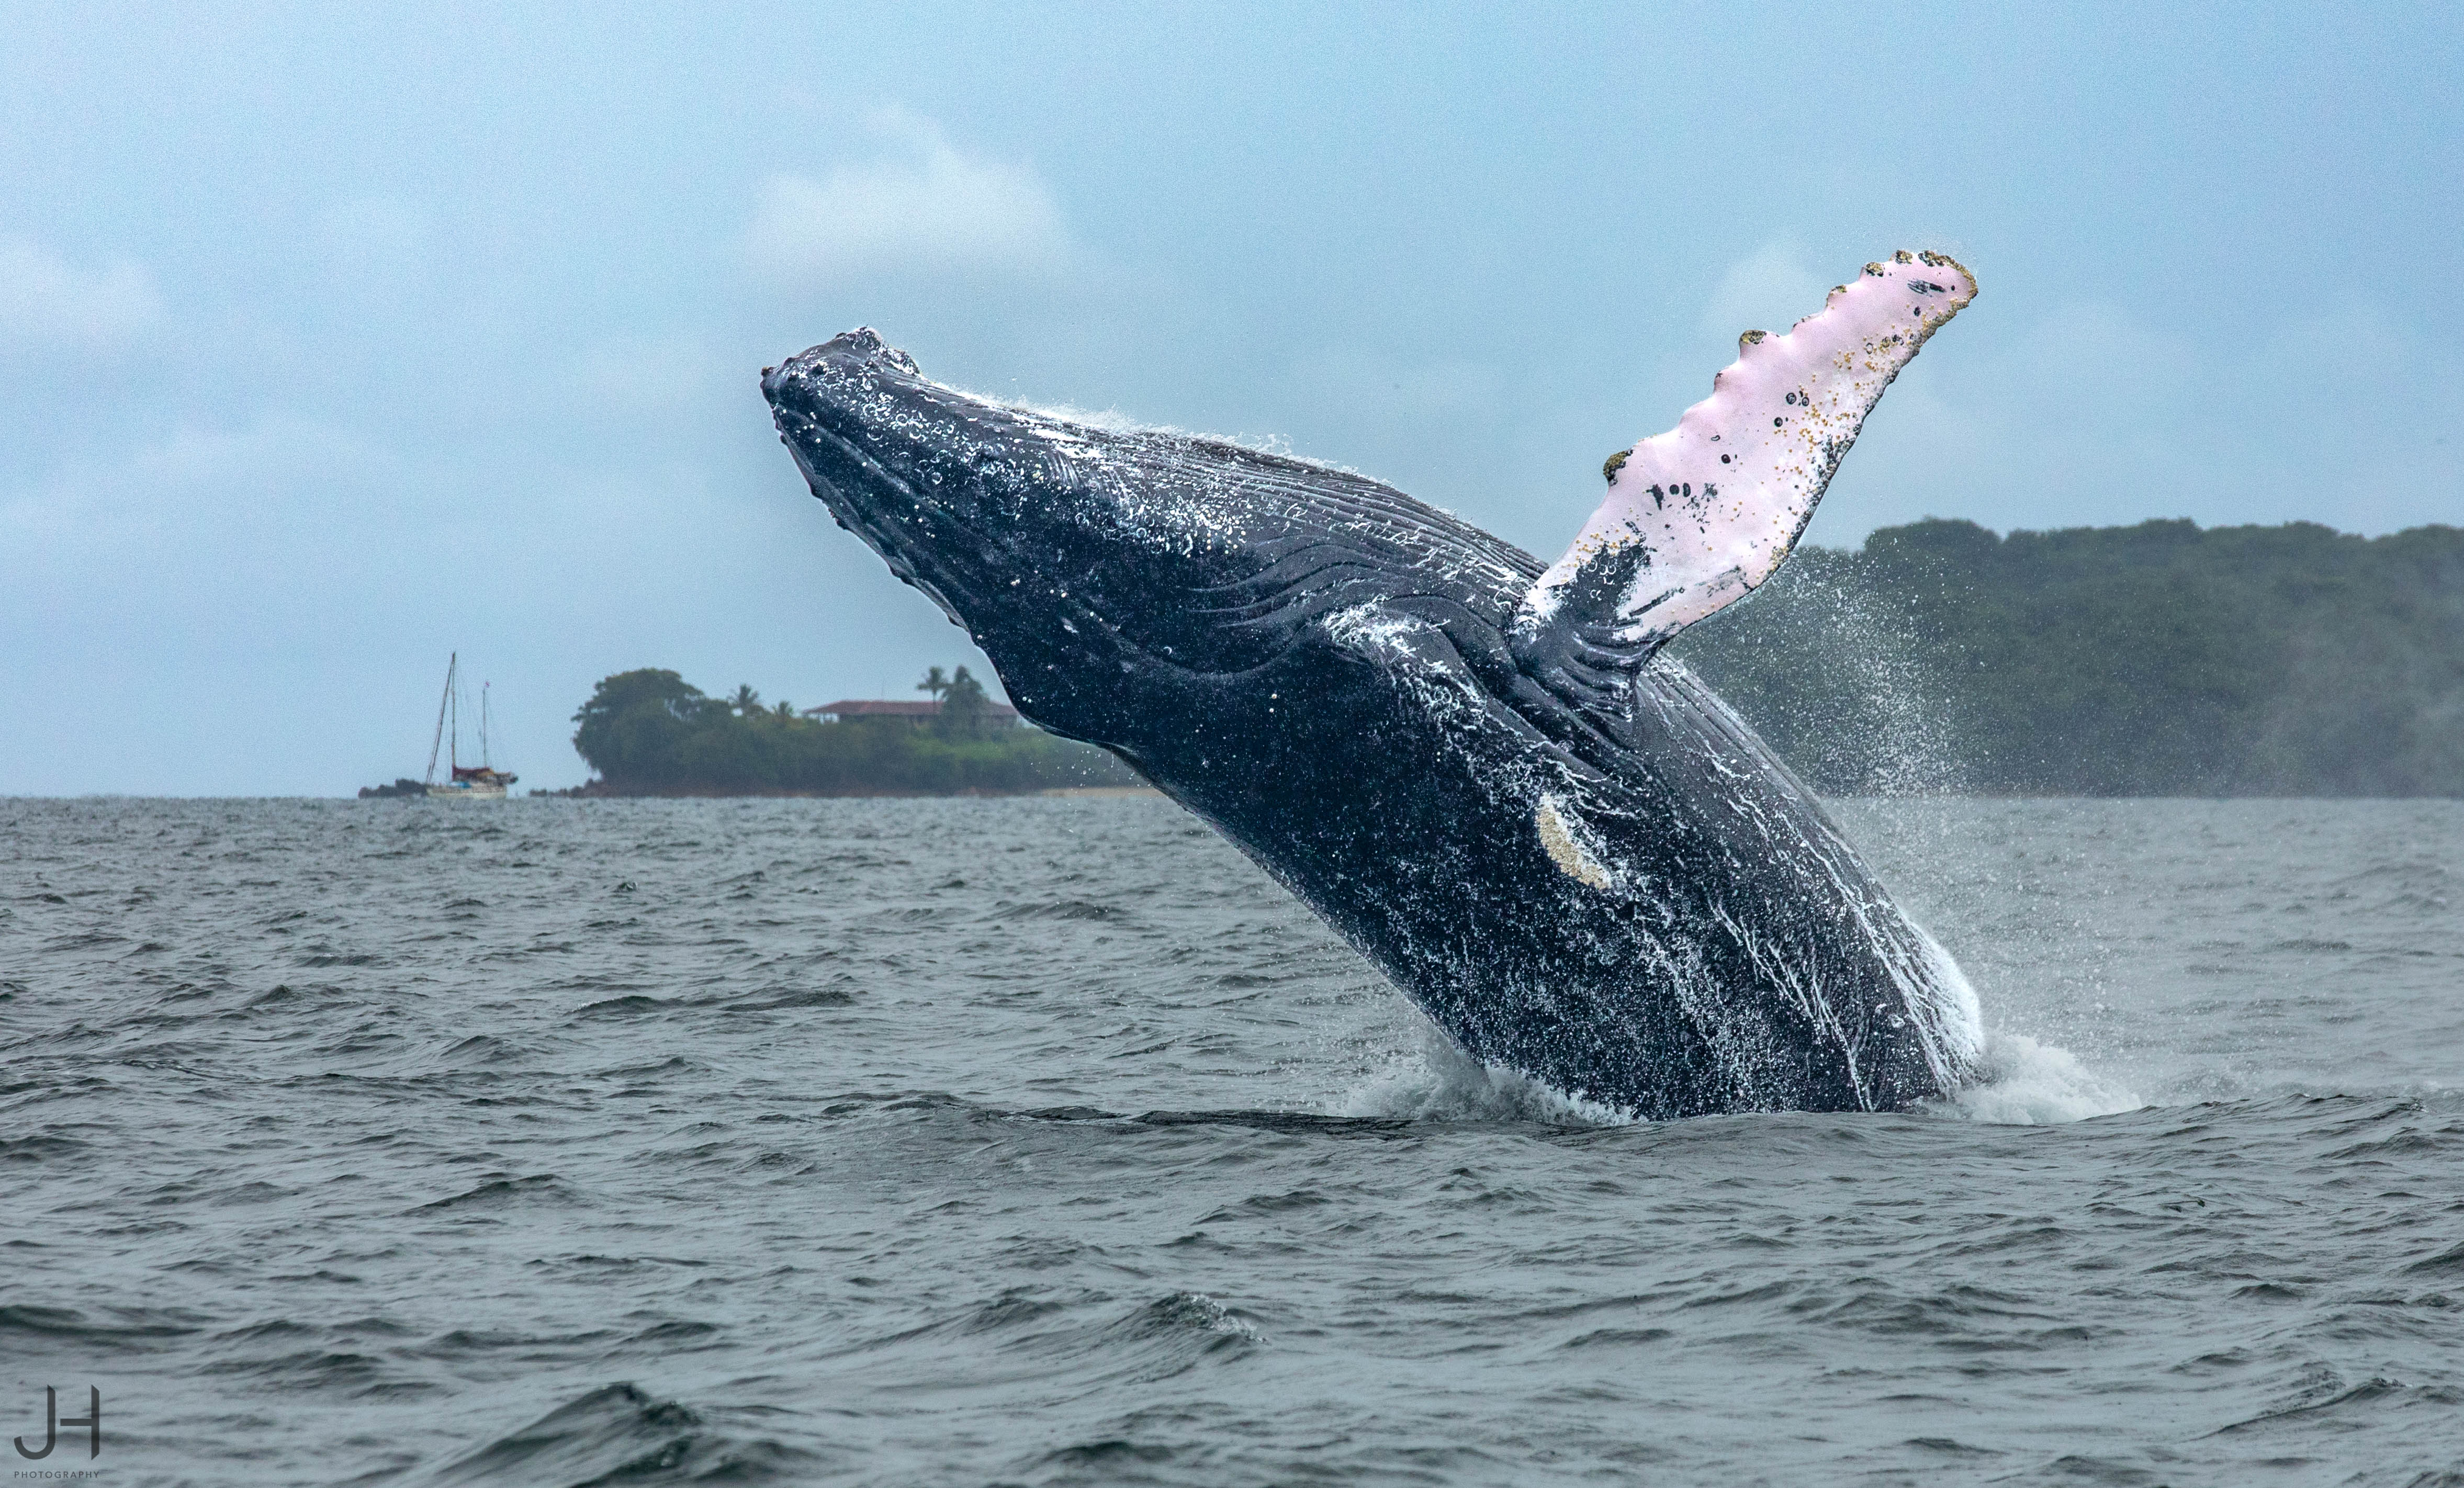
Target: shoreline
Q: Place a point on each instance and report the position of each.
(598, 790)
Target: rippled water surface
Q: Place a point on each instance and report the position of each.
(1049, 1142)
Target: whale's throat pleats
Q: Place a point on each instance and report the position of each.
(1701, 515)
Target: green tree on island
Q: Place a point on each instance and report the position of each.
(2154, 660)
(964, 706)
(648, 733)
(636, 721)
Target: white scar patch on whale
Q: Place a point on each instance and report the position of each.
(1558, 826)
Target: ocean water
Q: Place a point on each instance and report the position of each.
(1048, 1142)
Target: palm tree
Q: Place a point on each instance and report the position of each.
(963, 704)
(745, 700)
(935, 683)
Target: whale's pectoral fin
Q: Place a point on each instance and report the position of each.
(1698, 518)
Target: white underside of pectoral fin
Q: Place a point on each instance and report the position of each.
(1698, 518)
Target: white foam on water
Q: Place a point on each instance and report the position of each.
(2022, 1082)
(1440, 1082)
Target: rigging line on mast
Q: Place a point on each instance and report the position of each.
(438, 742)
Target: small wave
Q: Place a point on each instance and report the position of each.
(2027, 1083)
(1057, 909)
(1186, 1314)
(39, 1149)
(499, 1192)
(1441, 1083)
(621, 1434)
(632, 1005)
(780, 998)
(2447, 1262)
(1313, 1123)
(124, 1328)
(479, 1048)
(310, 1368)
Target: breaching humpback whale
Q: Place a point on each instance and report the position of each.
(1561, 846)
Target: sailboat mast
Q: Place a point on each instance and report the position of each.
(454, 691)
(484, 762)
(438, 742)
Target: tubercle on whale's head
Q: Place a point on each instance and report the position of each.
(897, 459)
(1013, 521)
(838, 412)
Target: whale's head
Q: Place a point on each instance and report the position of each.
(1097, 564)
(901, 461)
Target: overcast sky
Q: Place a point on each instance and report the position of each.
(334, 340)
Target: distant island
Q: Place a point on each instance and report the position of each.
(2154, 660)
(650, 732)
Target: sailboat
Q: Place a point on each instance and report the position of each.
(481, 781)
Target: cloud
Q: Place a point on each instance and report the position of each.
(47, 301)
(1769, 290)
(242, 497)
(923, 205)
